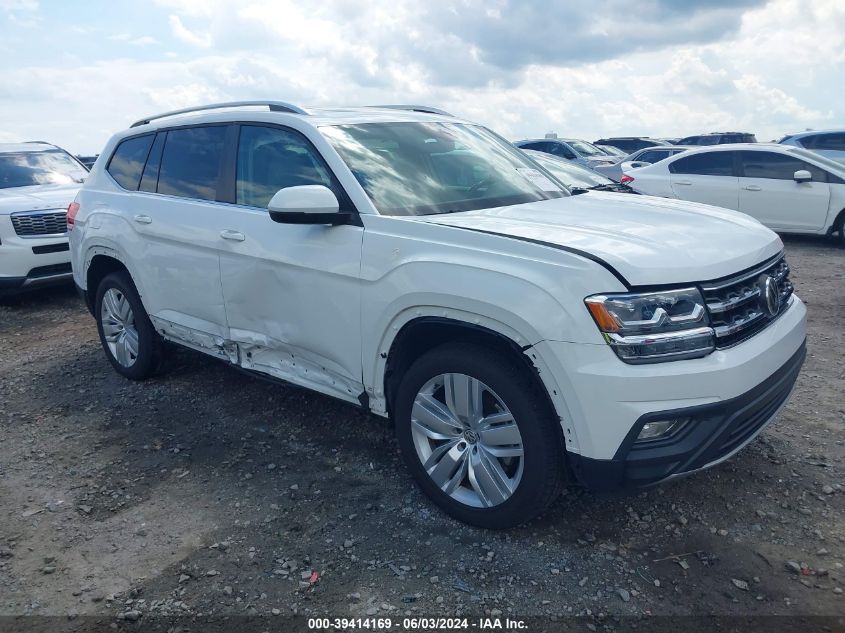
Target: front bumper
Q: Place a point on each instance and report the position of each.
(31, 262)
(715, 433)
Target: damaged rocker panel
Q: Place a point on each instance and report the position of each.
(275, 359)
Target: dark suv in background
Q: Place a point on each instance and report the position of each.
(630, 144)
(718, 138)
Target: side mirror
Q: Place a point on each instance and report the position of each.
(802, 175)
(306, 204)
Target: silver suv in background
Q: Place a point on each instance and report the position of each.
(578, 151)
(830, 143)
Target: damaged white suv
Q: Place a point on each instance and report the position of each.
(421, 267)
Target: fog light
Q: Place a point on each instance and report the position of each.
(661, 428)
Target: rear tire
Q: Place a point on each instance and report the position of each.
(492, 457)
(129, 339)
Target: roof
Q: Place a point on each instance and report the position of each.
(315, 116)
(716, 134)
(32, 146)
(814, 132)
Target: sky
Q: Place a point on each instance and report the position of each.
(74, 73)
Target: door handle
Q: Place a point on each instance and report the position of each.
(683, 182)
(143, 219)
(753, 188)
(235, 236)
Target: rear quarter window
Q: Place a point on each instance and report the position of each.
(127, 162)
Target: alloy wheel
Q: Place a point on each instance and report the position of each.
(119, 329)
(467, 440)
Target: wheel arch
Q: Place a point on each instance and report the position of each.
(101, 260)
(424, 332)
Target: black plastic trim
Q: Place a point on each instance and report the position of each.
(51, 248)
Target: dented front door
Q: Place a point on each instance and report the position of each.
(292, 292)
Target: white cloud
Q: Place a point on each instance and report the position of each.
(203, 40)
(343, 52)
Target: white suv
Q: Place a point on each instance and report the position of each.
(37, 183)
(422, 268)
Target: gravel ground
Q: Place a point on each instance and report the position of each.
(206, 491)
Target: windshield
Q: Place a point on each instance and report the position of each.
(568, 172)
(53, 167)
(426, 168)
(584, 148)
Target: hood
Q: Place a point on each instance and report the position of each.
(37, 197)
(649, 241)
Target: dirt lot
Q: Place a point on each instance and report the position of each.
(205, 491)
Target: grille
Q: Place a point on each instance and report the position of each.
(739, 307)
(35, 223)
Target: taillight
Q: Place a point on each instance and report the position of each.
(72, 210)
(624, 180)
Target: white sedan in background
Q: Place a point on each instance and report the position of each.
(788, 189)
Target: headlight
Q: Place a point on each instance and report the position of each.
(653, 327)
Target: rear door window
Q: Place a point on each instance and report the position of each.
(705, 164)
(190, 162)
(128, 161)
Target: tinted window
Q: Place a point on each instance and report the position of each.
(51, 167)
(829, 141)
(128, 160)
(270, 159)
(540, 147)
(559, 149)
(150, 178)
(191, 161)
(776, 166)
(654, 155)
(705, 164)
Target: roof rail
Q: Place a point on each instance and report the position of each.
(39, 142)
(415, 108)
(275, 106)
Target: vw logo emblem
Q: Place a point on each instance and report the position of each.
(771, 296)
(471, 436)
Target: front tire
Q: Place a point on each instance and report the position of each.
(479, 436)
(128, 338)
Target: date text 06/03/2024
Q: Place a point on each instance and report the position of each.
(418, 623)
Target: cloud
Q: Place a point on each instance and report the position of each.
(665, 68)
(203, 40)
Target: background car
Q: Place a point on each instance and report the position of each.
(88, 161)
(578, 151)
(788, 189)
(610, 150)
(37, 183)
(646, 155)
(718, 138)
(575, 177)
(830, 143)
(630, 144)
